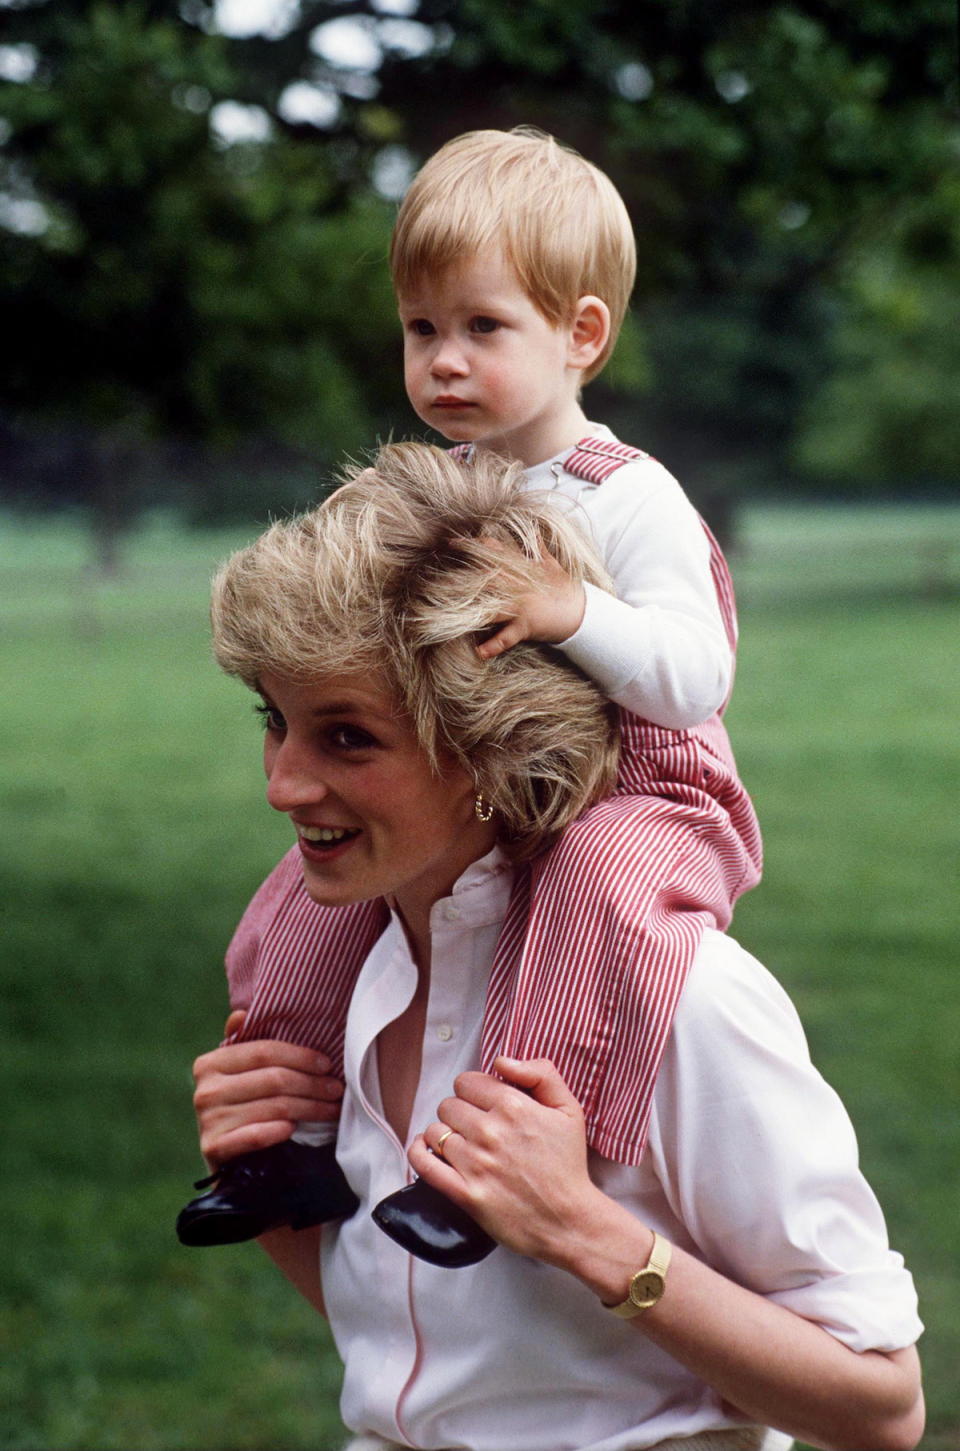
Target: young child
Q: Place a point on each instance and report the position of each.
(513, 261)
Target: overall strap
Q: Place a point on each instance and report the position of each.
(592, 459)
(595, 459)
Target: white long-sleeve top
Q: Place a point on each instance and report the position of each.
(658, 647)
(751, 1165)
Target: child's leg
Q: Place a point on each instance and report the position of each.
(617, 911)
(595, 950)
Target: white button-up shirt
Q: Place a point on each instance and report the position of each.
(751, 1165)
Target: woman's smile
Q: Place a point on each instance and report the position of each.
(320, 843)
(373, 819)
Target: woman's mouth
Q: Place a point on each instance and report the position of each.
(323, 840)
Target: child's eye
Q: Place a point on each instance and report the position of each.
(421, 326)
(270, 718)
(484, 324)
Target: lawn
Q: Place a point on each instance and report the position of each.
(135, 829)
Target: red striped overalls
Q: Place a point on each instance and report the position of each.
(600, 931)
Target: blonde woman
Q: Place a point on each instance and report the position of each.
(731, 1290)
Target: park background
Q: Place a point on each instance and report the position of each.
(195, 204)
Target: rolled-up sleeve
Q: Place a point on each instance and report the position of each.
(758, 1160)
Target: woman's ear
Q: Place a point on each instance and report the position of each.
(589, 331)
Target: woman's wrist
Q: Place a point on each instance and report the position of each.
(604, 1247)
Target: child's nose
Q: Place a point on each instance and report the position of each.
(448, 360)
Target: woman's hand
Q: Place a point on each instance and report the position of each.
(251, 1095)
(515, 1157)
(516, 1161)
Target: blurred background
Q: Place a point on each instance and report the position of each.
(195, 207)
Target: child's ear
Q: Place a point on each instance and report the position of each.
(589, 331)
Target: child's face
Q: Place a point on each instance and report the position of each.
(483, 365)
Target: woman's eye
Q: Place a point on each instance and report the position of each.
(351, 738)
(270, 718)
(485, 324)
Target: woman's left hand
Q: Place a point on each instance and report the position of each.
(515, 1157)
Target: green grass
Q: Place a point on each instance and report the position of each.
(134, 830)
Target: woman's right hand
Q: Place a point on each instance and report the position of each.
(251, 1095)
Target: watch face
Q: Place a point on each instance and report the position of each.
(646, 1288)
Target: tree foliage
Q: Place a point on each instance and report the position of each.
(783, 164)
(181, 289)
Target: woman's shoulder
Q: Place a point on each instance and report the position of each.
(730, 993)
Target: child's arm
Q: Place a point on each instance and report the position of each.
(659, 647)
(251, 1095)
(550, 610)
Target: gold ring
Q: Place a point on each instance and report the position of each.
(441, 1141)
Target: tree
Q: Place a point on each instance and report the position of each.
(764, 151)
(887, 407)
(169, 284)
(179, 288)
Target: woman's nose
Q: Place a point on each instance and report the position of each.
(293, 779)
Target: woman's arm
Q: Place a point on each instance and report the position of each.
(249, 1096)
(517, 1161)
(296, 1252)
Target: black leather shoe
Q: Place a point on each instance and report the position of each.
(430, 1226)
(286, 1184)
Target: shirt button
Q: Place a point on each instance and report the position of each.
(444, 1032)
(451, 913)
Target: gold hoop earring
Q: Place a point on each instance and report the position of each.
(483, 809)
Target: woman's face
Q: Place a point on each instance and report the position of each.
(372, 819)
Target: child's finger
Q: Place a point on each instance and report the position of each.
(506, 637)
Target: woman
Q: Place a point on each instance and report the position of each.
(738, 1279)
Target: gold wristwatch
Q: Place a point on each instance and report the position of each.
(648, 1284)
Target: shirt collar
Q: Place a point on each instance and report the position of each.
(479, 895)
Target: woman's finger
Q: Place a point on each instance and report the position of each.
(234, 1023)
(220, 1147)
(267, 1083)
(437, 1170)
(236, 1058)
(539, 1078)
(212, 1108)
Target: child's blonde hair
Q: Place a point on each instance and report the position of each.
(560, 221)
(395, 576)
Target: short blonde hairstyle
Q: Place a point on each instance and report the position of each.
(397, 574)
(560, 221)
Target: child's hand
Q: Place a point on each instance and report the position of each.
(551, 610)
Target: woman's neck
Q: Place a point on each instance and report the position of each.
(415, 902)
